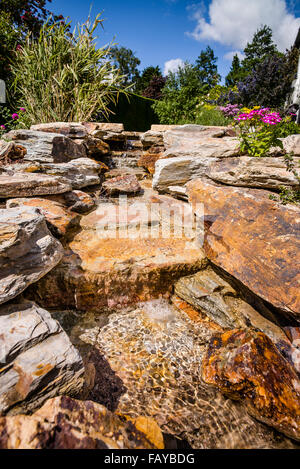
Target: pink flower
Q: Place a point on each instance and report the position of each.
(22, 109)
(3, 127)
(15, 116)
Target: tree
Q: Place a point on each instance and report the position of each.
(10, 37)
(146, 76)
(206, 66)
(270, 82)
(127, 63)
(29, 15)
(261, 47)
(236, 72)
(180, 96)
(154, 89)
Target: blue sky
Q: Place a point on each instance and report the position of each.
(166, 32)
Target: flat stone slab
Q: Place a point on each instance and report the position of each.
(69, 129)
(254, 239)
(37, 359)
(179, 170)
(31, 184)
(266, 173)
(46, 147)
(60, 220)
(127, 184)
(123, 255)
(27, 250)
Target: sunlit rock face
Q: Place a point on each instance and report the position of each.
(122, 255)
(254, 239)
(246, 365)
(156, 352)
(37, 359)
(65, 423)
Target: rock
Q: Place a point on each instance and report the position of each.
(37, 359)
(155, 351)
(268, 173)
(203, 147)
(291, 144)
(178, 192)
(103, 126)
(116, 172)
(79, 201)
(31, 184)
(10, 152)
(178, 171)
(79, 173)
(96, 146)
(148, 160)
(211, 294)
(246, 365)
(59, 220)
(128, 184)
(46, 147)
(152, 139)
(187, 135)
(27, 250)
(254, 239)
(66, 423)
(69, 129)
(162, 127)
(124, 254)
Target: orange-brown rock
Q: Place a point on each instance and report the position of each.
(254, 239)
(122, 255)
(65, 423)
(148, 160)
(128, 184)
(246, 365)
(11, 152)
(60, 220)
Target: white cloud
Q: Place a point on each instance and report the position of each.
(172, 65)
(231, 54)
(233, 22)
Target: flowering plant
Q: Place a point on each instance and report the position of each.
(230, 110)
(9, 120)
(259, 130)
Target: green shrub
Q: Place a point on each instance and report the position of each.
(209, 115)
(61, 76)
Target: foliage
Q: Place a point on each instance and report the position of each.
(146, 76)
(135, 112)
(8, 120)
(209, 115)
(10, 37)
(27, 15)
(62, 76)
(180, 96)
(236, 73)
(270, 82)
(127, 64)
(206, 66)
(230, 110)
(258, 131)
(260, 48)
(154, 90)
(289, 195)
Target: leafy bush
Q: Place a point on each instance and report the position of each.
(10, 37)
(211, 116)
(62, 76)
(8, 120)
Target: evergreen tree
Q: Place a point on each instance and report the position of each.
(236, 72)
(261, 47)
(206, 66)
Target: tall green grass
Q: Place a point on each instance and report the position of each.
(62, 76)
